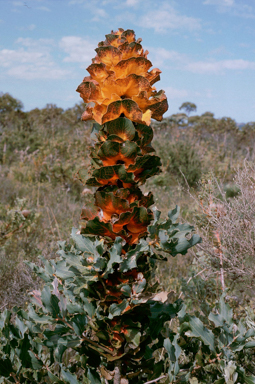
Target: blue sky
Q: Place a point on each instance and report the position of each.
(205, 49)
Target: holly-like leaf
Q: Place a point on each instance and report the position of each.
(118, 309)
(50, 302)
(197, 329)
(79, 323)
(130, 260)
(36, 363)
(83, 243)
(69, 378)
(5, 317)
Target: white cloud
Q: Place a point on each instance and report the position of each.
(163, 57)
(173, 93)
(233, 8)
(44, 44)
(99, 13)
(219, 66)
(166, 18)
(30, 27)
(43, 8)
(79, 50)
(132, 3)
(227, 3)
(219, 51)
(31, 60)
(18, 3)
(34, 71)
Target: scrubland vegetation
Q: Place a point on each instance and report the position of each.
(207, 169)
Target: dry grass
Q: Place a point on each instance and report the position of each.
(228, 233)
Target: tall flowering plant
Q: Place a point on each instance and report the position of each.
(101, 313)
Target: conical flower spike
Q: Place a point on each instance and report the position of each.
(120, 82)
(122, 101)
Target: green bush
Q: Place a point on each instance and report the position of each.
(184, 163)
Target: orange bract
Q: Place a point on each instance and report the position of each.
(120, 82)
(122, 100)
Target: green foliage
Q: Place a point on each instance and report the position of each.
(231, 191)
(18, 224)
(8, 107)
(217, 349)
(184, 163)
(77, 313)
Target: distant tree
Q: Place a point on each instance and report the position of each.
(9, 104)
(188, 107)
(180, 119)
(208, 114)
(10, 109)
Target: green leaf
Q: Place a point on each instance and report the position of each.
(220, 381)
(35, 362)
(93, 376)
(39, 271)
(160, 313)
(249, 379)
(145, 134)
(89, 306)
(249, 344)
(37, 318)
(121, 127)
(174, 214)
(5, 318)
(21, 326)
(50, 301)
(130, 260)
(225, 311)
(54, 378)
(23, 351)
(95, 131)
(79, 323)
(111, 149)
(115, 256)
(117, 309)
(83, 243)
(174, 352)
(139, 286)
(216, 319)
(149, 164)
(63, 271)
(69, 378)
(133, 336)
(199, 330)
(110, 172)
(5, 367)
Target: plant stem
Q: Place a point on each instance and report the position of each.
(117, 372)
(154, 381)
(217, 235)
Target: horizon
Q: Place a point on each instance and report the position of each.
(205, 50)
